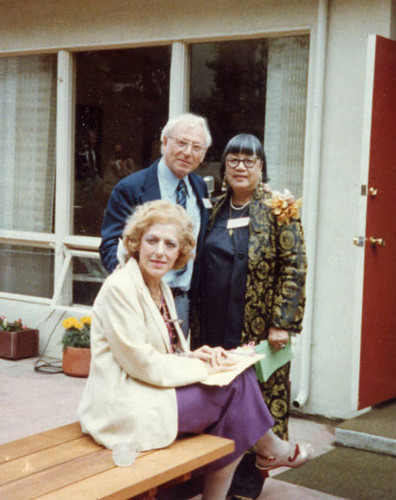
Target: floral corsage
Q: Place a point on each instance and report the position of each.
(284, 206)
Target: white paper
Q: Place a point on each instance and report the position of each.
(244, 361)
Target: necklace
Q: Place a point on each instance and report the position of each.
(239, 208)
(241, 212)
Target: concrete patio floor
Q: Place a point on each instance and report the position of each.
(33, 402)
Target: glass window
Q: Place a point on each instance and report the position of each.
(27, 270)
(228, 87)
(286, 102)
(121, 105)
(27, 142)
(259, 87)
(88, 277)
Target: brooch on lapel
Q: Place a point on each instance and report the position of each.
(284, 206)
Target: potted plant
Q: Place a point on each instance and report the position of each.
(17, 340)
(76, 342)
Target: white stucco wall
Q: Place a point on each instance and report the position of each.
(51, 25)
(337, 278)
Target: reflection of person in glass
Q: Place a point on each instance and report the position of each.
(88, 163)
(89, 199)
(121, 164)
(253, 276)
(143, 384)
(185, 140)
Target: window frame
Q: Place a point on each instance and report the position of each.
(62, 240)
(64, 279)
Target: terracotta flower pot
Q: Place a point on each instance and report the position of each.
(19, 344)
(76, 361)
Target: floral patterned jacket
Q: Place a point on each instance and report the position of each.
(275, 288)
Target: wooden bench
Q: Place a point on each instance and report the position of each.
(64, 463)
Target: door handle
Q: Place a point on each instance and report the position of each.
(373, 191)
(358, 241)
(376, 241)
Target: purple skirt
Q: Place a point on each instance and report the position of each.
(236, 411)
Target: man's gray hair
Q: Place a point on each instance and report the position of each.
(190, 119)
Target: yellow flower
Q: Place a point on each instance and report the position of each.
(68, 323)
(284, 206)
(71, 323)
(86, 320)
(77, 325)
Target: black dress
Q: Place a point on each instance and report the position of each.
(225, 260)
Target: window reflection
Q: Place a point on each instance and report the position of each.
(259, 87)
(228, 85)
(88, 277)
(27, 270)
(122, 103)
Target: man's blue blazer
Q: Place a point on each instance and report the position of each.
(136, 189)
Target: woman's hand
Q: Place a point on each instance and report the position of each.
(226, 366)
(216, 358)
(277, 338)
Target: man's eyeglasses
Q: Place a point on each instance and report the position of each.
(183, 144)
(233, 162)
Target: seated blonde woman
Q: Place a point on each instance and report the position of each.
(144, 382)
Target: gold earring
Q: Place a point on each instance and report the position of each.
(224, 185)
(260, 187)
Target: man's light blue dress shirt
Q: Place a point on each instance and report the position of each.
(168, 183)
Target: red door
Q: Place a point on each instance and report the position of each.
(377, 380)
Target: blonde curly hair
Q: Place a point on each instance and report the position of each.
(160, 212)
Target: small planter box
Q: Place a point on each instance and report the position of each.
(19, 344)
(76, 361)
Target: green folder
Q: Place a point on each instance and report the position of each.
(272, 361)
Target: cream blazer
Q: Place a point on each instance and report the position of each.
(130, 392)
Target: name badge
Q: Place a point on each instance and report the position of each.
(207, 203)
(239, 222)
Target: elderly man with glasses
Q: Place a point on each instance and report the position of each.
(185, 140)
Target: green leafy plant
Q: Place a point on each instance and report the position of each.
(77, 332)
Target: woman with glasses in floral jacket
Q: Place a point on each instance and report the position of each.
(253, 279)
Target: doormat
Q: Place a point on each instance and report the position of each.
(347, 473)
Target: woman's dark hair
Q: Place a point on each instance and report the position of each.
(247, 144)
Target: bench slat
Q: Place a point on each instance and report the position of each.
(64, 463)
(44, 459)
(148, 472)
(57, 477)
(31, 444)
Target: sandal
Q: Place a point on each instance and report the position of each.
(302, 453)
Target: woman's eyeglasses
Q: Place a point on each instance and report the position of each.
(233, 162)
